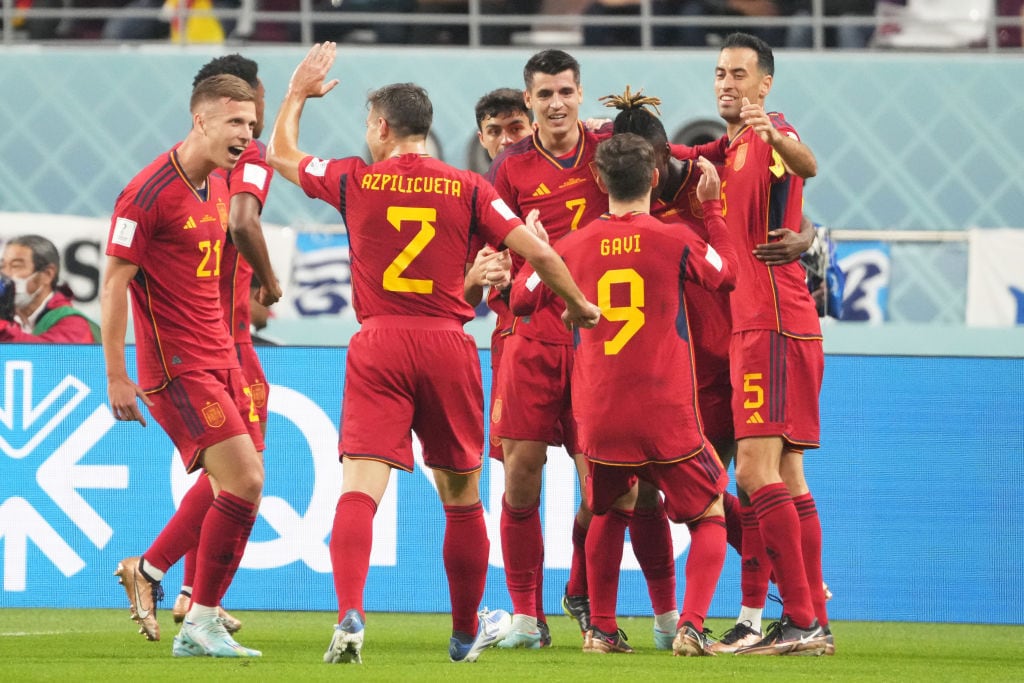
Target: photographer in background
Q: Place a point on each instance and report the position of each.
(34, 306)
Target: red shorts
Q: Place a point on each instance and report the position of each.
(776, 381)
(497, 347)
(413, 373)
(533, 398)
(715, 403)
(201, 408)
(255, 380)
(690, 486)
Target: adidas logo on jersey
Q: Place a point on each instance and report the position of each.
(755, 419)
(189, 224)
(541, 190)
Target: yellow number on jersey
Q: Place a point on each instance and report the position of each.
(253, 415)
(753, 390)
(393, 280)
(631, 314)
(209, 250)
(578, 206)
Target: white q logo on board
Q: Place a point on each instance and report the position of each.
(300, 536)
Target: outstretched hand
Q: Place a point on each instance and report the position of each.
(756, 117)
(309, 78)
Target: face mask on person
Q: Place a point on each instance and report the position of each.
(23, 297)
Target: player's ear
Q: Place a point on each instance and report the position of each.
(655, 178)
(600, 183)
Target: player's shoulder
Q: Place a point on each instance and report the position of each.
(779, 121)
(150, 183)
(518, 152)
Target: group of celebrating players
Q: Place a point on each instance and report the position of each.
(652, 318)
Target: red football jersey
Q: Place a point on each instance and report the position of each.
(175, 234)
(565, 191)
(710, 319)
(411, 225)
(251, 174)
(633, 384)
(760, 195)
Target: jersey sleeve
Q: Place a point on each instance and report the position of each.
(527, 293)
(714, 268)
(130, 228)
(321, 178)
(253, 174)
(495, 220)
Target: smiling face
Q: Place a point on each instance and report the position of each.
(737, 75)
(555, 101)
(499, 131)
(227, 127)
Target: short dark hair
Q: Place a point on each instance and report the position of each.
(499, 103)
(765, 57)
(235, 64)
(550, 62)
(626, 164)
(222, 85)
(44, 252)
(405, 106)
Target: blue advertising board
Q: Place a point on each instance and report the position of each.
(917, 483)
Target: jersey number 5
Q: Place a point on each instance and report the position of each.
(426, 218)
(631, 314)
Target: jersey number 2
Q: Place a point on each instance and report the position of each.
(393, 280)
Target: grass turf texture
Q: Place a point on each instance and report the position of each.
(73, 645)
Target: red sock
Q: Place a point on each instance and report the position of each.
(652, 544)
(181, 533)
(522, 547)
(780, 528)
(577, 584)
(351, 541)
(810, 541)
(755, 566)
(222, 541)
(465, 562)
(703, 567)
(604, 555)
(538, 596)
(228, 577)
(190, 568)
(733, 522)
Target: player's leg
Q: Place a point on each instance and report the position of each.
(651, 536)
(612, 492)
(465, 553)
(364, 484)
(522, 541)
(235, 469)
(576, 600)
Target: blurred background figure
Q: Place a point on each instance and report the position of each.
(34, 305)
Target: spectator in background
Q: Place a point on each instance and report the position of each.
(710, 34)
(34, 305)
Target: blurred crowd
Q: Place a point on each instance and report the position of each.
(855, 24)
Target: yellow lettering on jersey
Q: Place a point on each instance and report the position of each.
(386, 182)
(620, 245)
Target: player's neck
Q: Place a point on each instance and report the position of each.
(417, 146)
(560, 144)
(194, 164)
(618, 207)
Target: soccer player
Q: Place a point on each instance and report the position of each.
(634, 386)
(775, 353)
(548, 171)
(674, 201)
(165, 247)
(410, 220)
(248, 184)
(501, 119)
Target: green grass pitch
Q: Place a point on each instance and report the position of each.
(93, 645)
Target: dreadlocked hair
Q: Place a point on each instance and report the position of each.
(635, 115)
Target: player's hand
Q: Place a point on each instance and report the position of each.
(491, 268)
(536, 227)
(755, 116)
(585, 315)
(122, 393)
(709, 186)
(310, 76)
(785, 247)
(594, 125)
(268, 296)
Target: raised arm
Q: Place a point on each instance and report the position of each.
(798, 157)
(308, 80)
